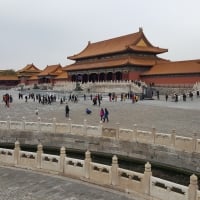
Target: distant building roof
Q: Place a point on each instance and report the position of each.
(135, 42)
(29, 68)
(52, 70)
(178, 67)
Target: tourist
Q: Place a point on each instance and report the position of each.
(106, 113)
(66, 110)
(110, 96)
(191, 96)
(88, 111)
(158, 94)
(176, 97)
(84, 97)
(197, 93)
(101, 114)
(99, 99)
(166, 97)
(6, 99)
(61, 101)
(184, 97)
(95, 101)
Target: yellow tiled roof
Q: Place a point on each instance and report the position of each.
(29, 68)
(178, 67)
(53, 70)
(118, 44)
(63, 75)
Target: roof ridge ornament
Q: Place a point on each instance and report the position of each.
(140, 29)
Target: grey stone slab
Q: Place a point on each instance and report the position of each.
(18, 184)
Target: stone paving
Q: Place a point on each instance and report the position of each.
(18, 184)
(164, 116)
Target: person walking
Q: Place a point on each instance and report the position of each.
(101, 114)
(106, 113)
(66, 110)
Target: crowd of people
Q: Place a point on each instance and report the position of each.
(176, 97)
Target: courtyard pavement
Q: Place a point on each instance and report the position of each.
(184, 117)
(19, 184)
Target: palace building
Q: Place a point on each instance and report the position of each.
(130, 57)
(121, 58)
(49, 74)
(26, 73)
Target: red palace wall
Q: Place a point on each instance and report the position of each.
(134, 76)
(172, 80)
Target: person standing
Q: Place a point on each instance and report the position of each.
(66, 110)
(106, 113)
(99, 99)
(166, 97)
(84, 96)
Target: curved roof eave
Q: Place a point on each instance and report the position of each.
(76, 55)
(155, 50)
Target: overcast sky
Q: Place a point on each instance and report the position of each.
(46, 32)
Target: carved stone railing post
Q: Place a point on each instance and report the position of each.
(16, 152)
(153, 135)
(39, 155)
(87, 164)
(39, 124)
(194, 141)
(8, 122)
(173, 138)
(117, 130)
(85, 127)
(114, 171)
(101, 128)
(23, 123)
(62, 159)
(147, 178)
(193, 187)
(70, 125)
(54, 125)
(135, 132)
